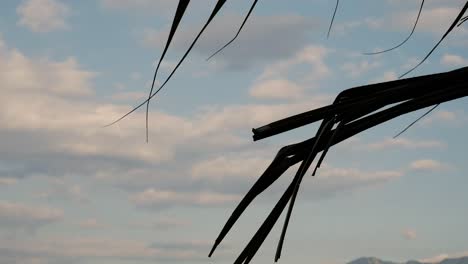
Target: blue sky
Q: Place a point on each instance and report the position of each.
(72, 191)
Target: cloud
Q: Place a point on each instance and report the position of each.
(221, 167)
(198, 245)
(356, 69)
(79, 249)
(428, 165)
(441, 116)
(453, 60)
(409, 234)
(399, 16)
(238, 171)
(163, 223)
(346, 27)
(18, 216)
(350, 174)
(331, 181)
(435, 20)
(61, 190)
(152, 198)
(50, 105)
(253, 45)
(436, 17)
(406, 143)
(160, 6)
(310, 55)
(20, 74)
(51, 102)
(230, 117)
(178, 166)
(65, 128)
(43, 15)
(276, 89)
(129, 96)
(443, 256)
(211, 180)
(387, 76)
(274, 81)
(435, 259)
(7, 181)
(135, 76)
(91, 223)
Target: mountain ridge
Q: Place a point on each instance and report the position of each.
(374, 260)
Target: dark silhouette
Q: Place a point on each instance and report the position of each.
(353, 111)
(373, 260)
(406, 39)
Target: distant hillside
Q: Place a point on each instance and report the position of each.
(372, 260)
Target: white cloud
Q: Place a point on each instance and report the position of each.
(152, 198)
(356, 174)
(163, 223)
(441, 257)
(234, 171)
(91, 223)
(7, 181)
(227, 177)
(435, 17)
(273, 82)
(43, 15)
(135, 76)
(221, 167)
(55, 121)
(252, 115)
(435, 259)
(409, 234)
(67, 249)
(356, 69)
(331, 181)
(62, 190)
(428, 165)
(346, 27)
(253, 45)
(435, 20)
(453, 60)
(276, 89)
(252, 164)
(311, 55)
(129, 96)
(40, 100)
(160, 6)
(18, 216)
(406, 143)
(40, 96)
(20, 74)
(440, 116)
(387, 76)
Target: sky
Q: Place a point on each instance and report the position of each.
(74, 191)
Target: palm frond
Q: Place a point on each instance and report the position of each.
(354, 110)
(406, 39)
(215, 11)
(408, 94)
(333, 18)
(452, 26)
(238, 31)
(181, 7)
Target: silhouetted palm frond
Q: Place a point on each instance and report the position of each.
(406, 39)
(353, 111)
